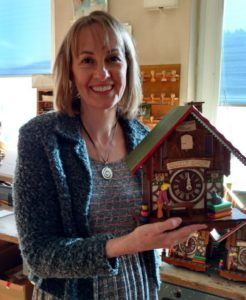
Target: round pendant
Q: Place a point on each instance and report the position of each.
(107, 173)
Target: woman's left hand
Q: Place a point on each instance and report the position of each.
(152, 236)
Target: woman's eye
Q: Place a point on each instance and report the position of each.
(114, 58)
(87, 60)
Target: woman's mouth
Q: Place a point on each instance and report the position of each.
(102, 88)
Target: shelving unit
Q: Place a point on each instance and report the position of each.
(161, 89)
(44, 85)
(44, 100)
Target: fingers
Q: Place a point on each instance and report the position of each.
(162, 234)
(193, 228)
(182, 234)
(167, 225)
(150, 236)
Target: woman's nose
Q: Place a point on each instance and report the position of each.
(102, 72)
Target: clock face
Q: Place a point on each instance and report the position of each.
(186, 185)
(242, 257)
(190, 246)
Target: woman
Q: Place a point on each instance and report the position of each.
(74, 195)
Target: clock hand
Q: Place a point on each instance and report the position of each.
(188, 183)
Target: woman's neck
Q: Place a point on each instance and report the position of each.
(108, 139)
(99, 124)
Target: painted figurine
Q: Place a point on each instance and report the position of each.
(162, 200)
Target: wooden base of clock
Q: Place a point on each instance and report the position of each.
(236, 276)
(200, 217)
(185, 263)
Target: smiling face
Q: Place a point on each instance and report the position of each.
(99, 69)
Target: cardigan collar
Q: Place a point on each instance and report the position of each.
(69, 128)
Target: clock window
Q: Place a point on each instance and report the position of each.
(186, 142)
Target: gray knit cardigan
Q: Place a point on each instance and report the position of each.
(52, 190)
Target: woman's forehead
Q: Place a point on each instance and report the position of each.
(98, 35)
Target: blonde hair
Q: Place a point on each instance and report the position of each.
(66, 94)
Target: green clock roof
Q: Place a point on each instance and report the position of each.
(165, 127)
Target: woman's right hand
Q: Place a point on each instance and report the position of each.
(152, 236)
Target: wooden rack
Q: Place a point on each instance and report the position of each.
(161, 85)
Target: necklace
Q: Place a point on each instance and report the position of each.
(107, 172)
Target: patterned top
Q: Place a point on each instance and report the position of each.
(112, 207)
(113, 203)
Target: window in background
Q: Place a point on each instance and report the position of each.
(233, 68)
(25, 49)
(231, 114)
(17, 106)
(25, 37)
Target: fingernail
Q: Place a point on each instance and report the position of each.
(176, 221)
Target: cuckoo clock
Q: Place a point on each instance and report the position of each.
(190, 157)
(183, 161)
(234, 261)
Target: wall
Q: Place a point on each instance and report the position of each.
(62, 16)
(162, 37)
